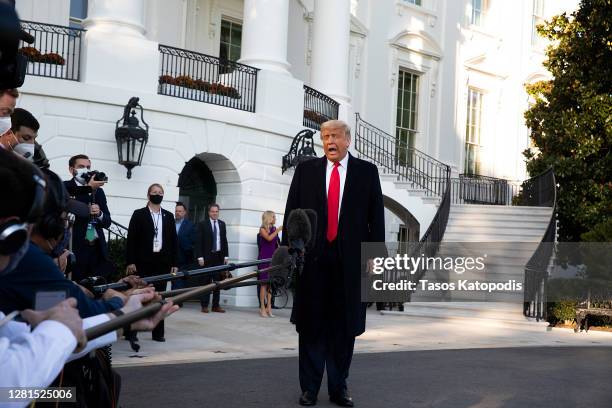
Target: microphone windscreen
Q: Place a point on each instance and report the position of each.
(298, 227)
(312, 217)
(281, 257)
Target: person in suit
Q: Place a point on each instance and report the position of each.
(186, 234)
(152, 245)
(212, 250)
(88, 240)
(345, 193)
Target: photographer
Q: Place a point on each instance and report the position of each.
(88, 240)
(35, 358)
(8, 139)
(37, 270)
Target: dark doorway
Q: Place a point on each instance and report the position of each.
(197, 188)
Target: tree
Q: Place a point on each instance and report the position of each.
(571, 119)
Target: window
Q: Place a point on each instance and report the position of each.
(78, 13)
(473, 131)
(407, 114)
(537, 18)
(478, 8)
(231, 40)
(415, 2)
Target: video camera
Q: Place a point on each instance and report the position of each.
(12, 64)
(96, 175)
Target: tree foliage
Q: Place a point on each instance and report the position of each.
(571, 118)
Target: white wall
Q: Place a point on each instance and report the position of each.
(44, 11)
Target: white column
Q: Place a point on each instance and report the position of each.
(264, 35)
(123, 17)
(116, 52)
(330, 48)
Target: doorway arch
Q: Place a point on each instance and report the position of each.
(197, 188)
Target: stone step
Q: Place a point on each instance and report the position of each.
(493, 231)
(514, 222)
(498, 237)
(495, 313)
(497, 209)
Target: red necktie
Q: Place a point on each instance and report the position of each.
(333, 203)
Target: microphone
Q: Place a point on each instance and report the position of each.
(299, 230)
(282, 276)
(312, 217)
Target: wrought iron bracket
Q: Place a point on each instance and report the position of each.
(302, 149)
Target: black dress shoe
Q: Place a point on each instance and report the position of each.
(343, 400)
(160, 339)
(308, 399)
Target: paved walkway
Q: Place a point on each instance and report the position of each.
(242, 334)
(532, 377)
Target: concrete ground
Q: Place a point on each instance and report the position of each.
(526, 377)
(242, 334)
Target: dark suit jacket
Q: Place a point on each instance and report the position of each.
(361, 220)
(186, 241)
(203, 248)
(140, 238)
(80, 224)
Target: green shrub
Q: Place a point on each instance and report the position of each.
(562, 310)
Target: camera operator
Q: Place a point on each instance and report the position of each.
(38, 271)
(35, 358)
(88, 240)
(8, 139)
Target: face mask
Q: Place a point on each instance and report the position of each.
(26, 150)
(16, 258)
(79, 173)
(156, 199)
(58, 249)
(5, 124)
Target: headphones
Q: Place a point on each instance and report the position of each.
(14, 233)
(52, 225)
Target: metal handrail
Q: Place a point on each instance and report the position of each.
(205, 78)
(116, 231)
(480, 189)
(318, 108)
(540, 191)
(396, 157)
(56, 51)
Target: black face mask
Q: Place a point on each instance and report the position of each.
(156, 199)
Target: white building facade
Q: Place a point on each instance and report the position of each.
(445, 77)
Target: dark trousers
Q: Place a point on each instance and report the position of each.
(330, 347)
(215, 260)
(156, 265)
(89, 262)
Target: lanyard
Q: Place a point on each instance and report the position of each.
(155, 222)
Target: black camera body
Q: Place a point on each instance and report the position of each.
(96, 175)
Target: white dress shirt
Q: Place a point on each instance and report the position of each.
(218, 236)
(158, 221)
(342, 171)
(34, 359)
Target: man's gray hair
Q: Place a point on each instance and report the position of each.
(334, 123)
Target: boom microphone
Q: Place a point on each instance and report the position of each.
(299, 229)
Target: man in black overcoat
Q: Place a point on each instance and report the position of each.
(328, 312)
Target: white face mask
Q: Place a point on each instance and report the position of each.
(26, 150)
(5, 124)
(79, 173)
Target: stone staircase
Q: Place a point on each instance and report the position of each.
(508, 236)
(421, 205)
